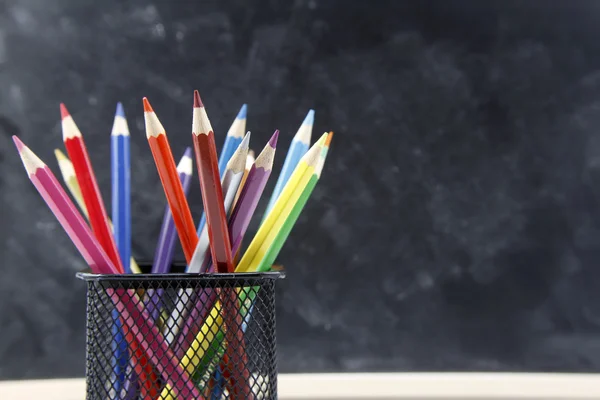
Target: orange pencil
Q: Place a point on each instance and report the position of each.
(167, 170)
(89, 187)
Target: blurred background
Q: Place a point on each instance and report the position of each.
(456, 226)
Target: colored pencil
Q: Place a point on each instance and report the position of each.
(68, 176)
(121, 186)
(212, 198)
(121, 214)
(298, 147)
(165, 248)
(65, 211)
(230, 184)
(165, 165)
(86, 178)
(212, 194)
(73, 223)
(232, 141)
(283, 233)
(239, 221)
(291, 192)
(250, 158)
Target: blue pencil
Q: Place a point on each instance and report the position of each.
(234, 137)
(121, 216)
(298, 147)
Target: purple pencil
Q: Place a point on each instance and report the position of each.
(165, 247)
(238, 224)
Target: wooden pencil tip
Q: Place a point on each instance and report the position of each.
(243, 112)
(328, 140)
(18, 143)
(147, 106)
(273, 140)
(188, 152)
(120, 111)
(64, 113)
(197, 100)
(60, 156)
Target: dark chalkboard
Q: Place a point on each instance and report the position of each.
(456, 226)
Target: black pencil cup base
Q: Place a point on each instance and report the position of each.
(181, 336)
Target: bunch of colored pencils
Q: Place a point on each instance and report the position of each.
(232, 183)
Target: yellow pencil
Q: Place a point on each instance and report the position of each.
(281, 209)
(68, 174)
(213, 324)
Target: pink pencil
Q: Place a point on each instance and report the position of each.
(71, 220)
(65, 211)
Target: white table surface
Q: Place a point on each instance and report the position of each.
(386, 386)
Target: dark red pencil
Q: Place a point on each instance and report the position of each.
(220, 246)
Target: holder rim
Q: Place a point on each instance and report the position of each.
(270, 275)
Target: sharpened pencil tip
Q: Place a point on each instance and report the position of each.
(273, 140)
(310, 118)
(188, 152)
(243, 112)
(246, 141)
(197, 100)
(60, 156)
(120, 111)
(147, 106)
(328, 140)
(18, 143)
(64, 113)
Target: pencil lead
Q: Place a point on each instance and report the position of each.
(197, 100)
(31, 162)
(64, 113)
(310, 118)
(18, 143)
(273, 140)
(120, 127)
(153, 126)
(304, 133)
(267, 155)
(245, 144)
(120, 111)
(188, 152)
(242, 113)
(328, 140)
(200, 122)
(147, 106)
(60, 156)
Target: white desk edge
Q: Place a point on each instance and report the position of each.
(373, 386)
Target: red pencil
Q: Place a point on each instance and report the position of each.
(167, 170)
(220, 246)
(89, 187)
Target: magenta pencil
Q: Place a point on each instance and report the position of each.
(238, 224)
(71, 220)
(65, 211)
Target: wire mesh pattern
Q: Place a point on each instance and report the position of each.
(186, 336)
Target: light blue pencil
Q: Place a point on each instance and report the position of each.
(298, 147)
(234, 137)
(121, 217)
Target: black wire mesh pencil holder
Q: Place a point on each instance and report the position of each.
(181, 336)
